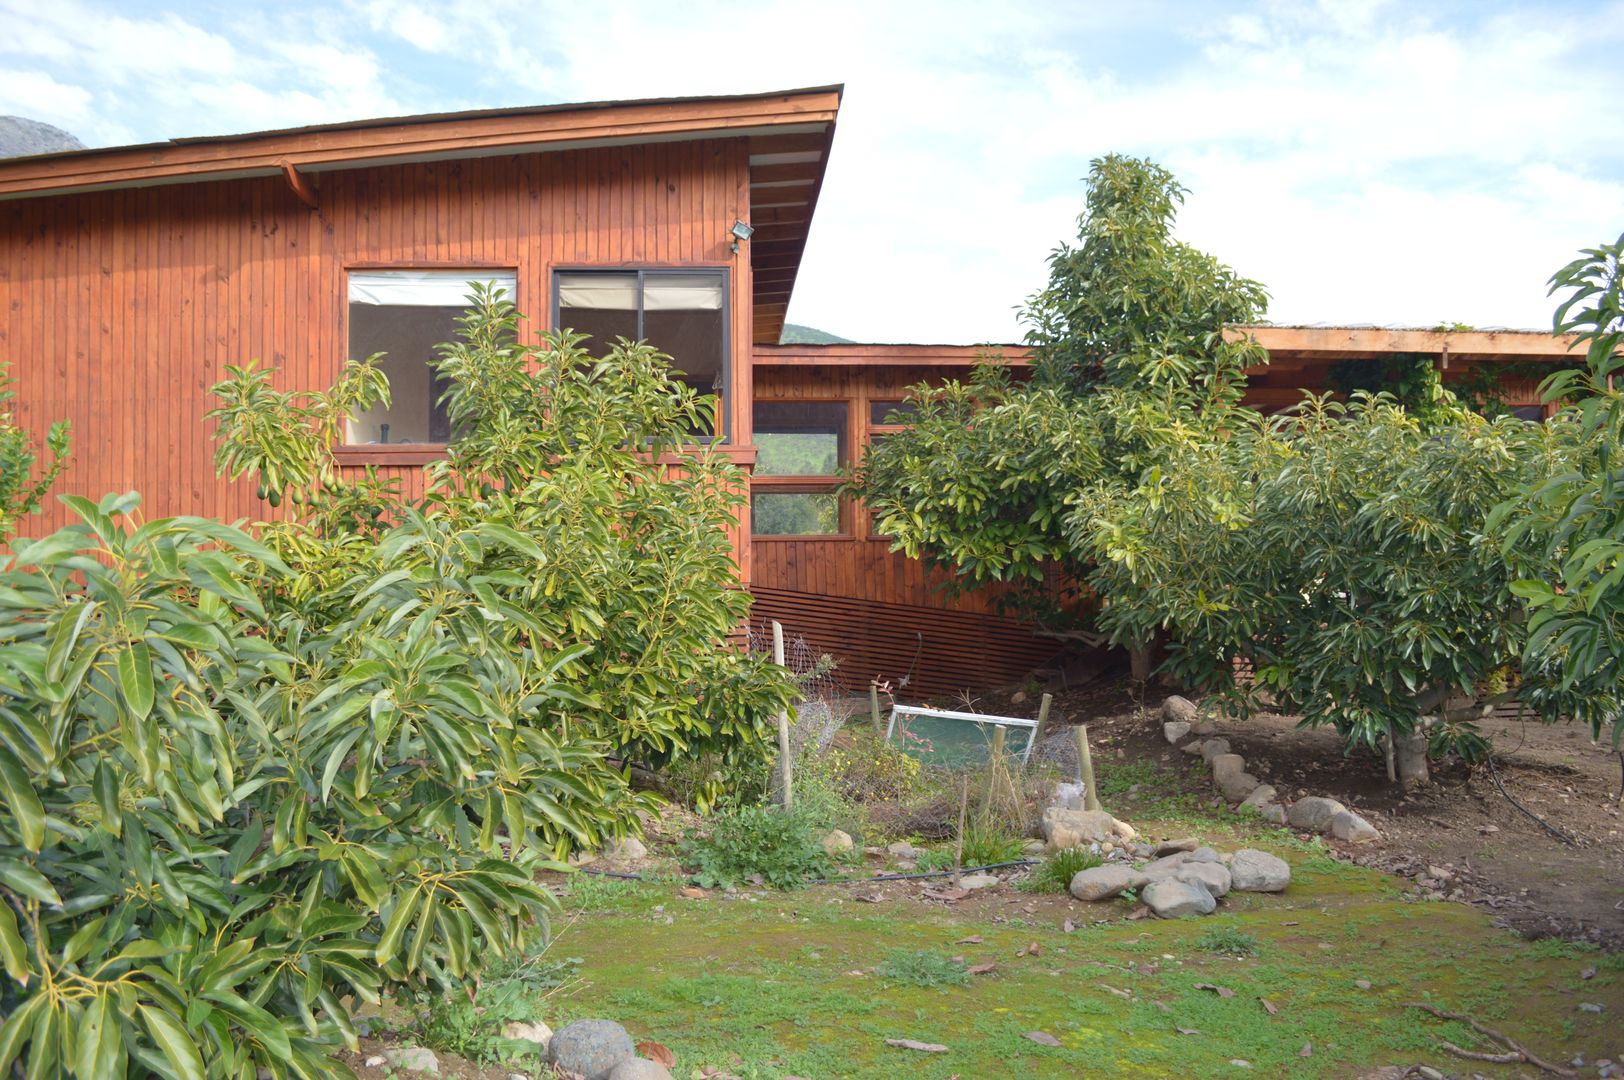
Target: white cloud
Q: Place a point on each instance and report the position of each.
(1369, 161)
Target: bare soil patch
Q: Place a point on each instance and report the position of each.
(1490, 853)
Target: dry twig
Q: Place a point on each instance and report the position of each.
(1521, 1052)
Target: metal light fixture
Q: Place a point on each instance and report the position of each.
(741, 231)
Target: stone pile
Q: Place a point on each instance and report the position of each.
(1246, 792)
(1183, 878)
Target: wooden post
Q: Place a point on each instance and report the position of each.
(874, 708)
(786, 767)
(1043, 721)
(958, 851)
(994, 761)
(1085, 765)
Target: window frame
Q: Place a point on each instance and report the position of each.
(404, 454)
(725, 436)
(847, 512)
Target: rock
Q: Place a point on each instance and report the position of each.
(1204, 854)
(1170, 899)
(1179, 710)
(1192, 747)
(1211, 748)
(537, 1033)
(1104, 882)
(1123, 830)
(376, 1060)
(1174, 730)
(836, 842)
(977, 881)
(628, 850)
(1261, 797)
(583, 858)
(1362, 984)
(1258, 871)
(640, 1069)
(1165, 867)
(413, 1059)
(1236, 787)
(1274, 814)
(590, 1047)
(1214, 877)
(1064, 828)
(1032, 848)
(1173, 847)
(1223, 765)
(1314, 813)
(1348, 826)
(1018, 698)
(901, 849)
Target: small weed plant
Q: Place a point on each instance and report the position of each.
(1054, 873)
(510, 991)
(934, 859)
(1228, 941)
(923, 968)
(782, 847)
(987, 843)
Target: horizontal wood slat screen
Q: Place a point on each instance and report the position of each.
(939, 652)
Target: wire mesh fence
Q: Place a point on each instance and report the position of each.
(825, 705)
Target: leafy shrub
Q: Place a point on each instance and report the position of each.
(935, 859)
(513, 989)
(923, 968)
(782, 847)
(1055, 872)
(20, 492)
(864, 768)
(1227, 940)
(245, 785)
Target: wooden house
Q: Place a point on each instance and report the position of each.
(130, 276)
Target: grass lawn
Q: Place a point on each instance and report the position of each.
(813, 983)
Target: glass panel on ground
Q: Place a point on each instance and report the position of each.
(953, 740)
(800, 513)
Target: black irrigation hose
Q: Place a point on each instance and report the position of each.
(1552, 829)
(843, 881)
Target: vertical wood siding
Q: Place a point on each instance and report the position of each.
(119, 309)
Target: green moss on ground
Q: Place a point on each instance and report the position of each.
(785, 984)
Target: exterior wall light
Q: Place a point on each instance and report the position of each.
(741, 231)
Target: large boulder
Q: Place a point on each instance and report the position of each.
(1237, 787)
(592, 1048)
(1251, 870)
(1352, 828)
(640, 1069)
(836, 842)
(1177, 710)
(1064, 828)
(1104, 882)
(1212, 876)
(1172, 899)
(1314, 813)
(1204, 854)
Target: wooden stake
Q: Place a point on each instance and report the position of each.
(785, 766)
(994, 761)
(958, 851)
(1085, 765)
(1043, 721)
(874, 708)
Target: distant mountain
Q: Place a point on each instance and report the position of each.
(807, 335)
(20, 136)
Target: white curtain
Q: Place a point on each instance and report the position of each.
(425, 288)
(661, 292)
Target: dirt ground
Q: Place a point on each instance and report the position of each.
(1489, 853)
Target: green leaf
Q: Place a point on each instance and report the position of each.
(135, 679)
(12, 951)
(176, 1045)
(23, 878)
(399, 919)
(22, 800)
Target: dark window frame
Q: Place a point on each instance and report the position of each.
(725, 437)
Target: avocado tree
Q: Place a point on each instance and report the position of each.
(1128, 354)
(1566, 534)
(21, 488)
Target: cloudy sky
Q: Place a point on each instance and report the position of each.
(1369, 162)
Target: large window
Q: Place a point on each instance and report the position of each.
(683, 313)
(801, 446)
(405, 314)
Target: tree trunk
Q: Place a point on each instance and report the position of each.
(1410, 755)
(1141, 658)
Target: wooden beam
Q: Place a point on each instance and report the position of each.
(1369, 342)
(420, 138)
(300, 185)
(806, 173)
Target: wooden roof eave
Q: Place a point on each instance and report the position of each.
(448, 136)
